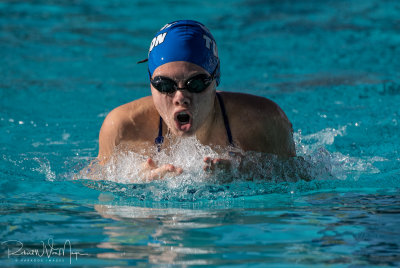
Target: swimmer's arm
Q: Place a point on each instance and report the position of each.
(278, 134)
(278, 144)
(284, 143)
(272, 167)
(151, 171)
(109, 136)
(213, 164)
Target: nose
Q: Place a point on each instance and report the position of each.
(181, 98)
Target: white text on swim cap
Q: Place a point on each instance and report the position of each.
(204, 28)
(210, 42)
(167, 26)
(157, 40)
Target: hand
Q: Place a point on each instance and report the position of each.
(152, 172)
(214, 164)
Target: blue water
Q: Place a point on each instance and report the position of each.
(331, 65)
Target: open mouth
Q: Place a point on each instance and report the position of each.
(183, 120)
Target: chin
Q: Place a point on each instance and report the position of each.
(184, 134)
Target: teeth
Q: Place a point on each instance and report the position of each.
(182, 113)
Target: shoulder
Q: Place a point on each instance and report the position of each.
(258, 123)
(242, 103)
(125, 123)
(128, 113)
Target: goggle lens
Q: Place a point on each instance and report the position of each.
(195, 84)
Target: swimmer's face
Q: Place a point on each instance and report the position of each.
(184, 112)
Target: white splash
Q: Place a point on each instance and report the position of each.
(340, 166)
(315, 162)
(186, 153)
(310, 143)
(45, 169)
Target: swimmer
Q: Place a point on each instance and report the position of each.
(184, 71)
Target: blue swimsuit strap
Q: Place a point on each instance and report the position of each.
(160, 139)
(226, 121)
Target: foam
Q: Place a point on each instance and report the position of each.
(336, 164)
(267, 174)
(45, 169)
(126, 167)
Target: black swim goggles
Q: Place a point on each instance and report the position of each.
(195, 84)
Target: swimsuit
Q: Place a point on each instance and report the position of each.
(160, 139)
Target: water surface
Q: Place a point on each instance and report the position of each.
(333, 68)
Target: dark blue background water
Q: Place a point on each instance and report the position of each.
(331, 65)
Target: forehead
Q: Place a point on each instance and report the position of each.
(179, 70)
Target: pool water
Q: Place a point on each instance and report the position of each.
(331, 65)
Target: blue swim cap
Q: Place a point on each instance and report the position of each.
(184, 40)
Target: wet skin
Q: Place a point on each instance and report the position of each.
(257, 124)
